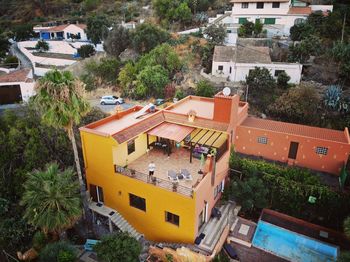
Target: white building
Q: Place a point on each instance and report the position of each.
(62, 32)
(234, 63)
(278, 16)
(16, 86)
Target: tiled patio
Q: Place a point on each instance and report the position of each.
(178, 159)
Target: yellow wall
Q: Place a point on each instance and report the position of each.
(98, 156)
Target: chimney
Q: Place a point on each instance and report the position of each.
(226, 108)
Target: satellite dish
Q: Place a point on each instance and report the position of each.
(226, 91)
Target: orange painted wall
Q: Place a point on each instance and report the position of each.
(278, 144)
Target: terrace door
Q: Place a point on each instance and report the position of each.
(96, 193)
(293, 150)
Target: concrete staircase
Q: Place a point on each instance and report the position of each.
(120, 222)
(215, 227)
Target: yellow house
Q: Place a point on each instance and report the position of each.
(186, 145)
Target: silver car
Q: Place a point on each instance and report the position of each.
(111, 100)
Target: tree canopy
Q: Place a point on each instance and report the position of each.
(97, 28)
(51, 199)
(216, 34)
(117, 41)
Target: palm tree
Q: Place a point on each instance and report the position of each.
(60, 98)
(51, 199)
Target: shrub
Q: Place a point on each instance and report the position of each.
(58, 252)
(117, 41)
(204, 88)
(39, 240)
(179, 94)
(11, 62)
(86, 51)
(42, 46)
(283, 79)
(169, 91)
(119, 247)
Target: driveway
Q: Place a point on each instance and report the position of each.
(108, 108)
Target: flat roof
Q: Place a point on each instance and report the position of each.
(204, 107)
(15, 76)
(296, 129)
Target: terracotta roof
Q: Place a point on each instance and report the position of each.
(245, 54)
(82, 26)
(198, 122)
(138, 128)
(171, 131)
(300, 10)
(295, 129)
(60, 28)
(15, 76)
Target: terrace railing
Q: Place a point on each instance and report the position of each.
(166, 184)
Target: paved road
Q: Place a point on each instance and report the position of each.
(107, 108)
(25, 62)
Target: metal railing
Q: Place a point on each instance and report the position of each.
(159, 182)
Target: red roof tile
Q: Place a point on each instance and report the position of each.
(295, 129)
(15, 76)
(300, 10)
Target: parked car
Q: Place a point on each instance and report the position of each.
(111, 100)
(159, 101)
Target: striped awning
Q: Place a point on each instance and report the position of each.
(171, 131)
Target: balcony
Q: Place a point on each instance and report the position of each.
(177, 160)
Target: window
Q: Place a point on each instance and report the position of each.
(260, 5)
(229, 31)
(262, 140)
(230, 69)
(242, 20)
(321, 150)
(293, 150)
(220, 67)
(245, 5)
(278, 72)
(172, 218)
(131, 146)
(217, 190)
(270, 21)
(96, 193)
(137, 202)
(276, 5)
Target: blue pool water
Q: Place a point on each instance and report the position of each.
(292, 246)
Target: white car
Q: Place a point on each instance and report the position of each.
(111, 100)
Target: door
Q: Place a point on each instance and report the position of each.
(293, 150)
(96, 193)
(10, 94)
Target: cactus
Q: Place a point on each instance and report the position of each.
(333, 98)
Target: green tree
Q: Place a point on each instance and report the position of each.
(216, 34)
(250, 193)
(246, 29)
(97, 28)
(42, 46)
(86, 51)
(148, 36)
(301, 31)
(183, 13)
(127, 77)
(117, 41)
(51, 199)
(283, 79)
(154, 79)
(10, 61)
(89, 5)
(297, 105)
(120, 247)
(204, 88)
(60, 98)
(259, 80)
(301, 52)
(58, 252)
(4, 45)
(23, 32)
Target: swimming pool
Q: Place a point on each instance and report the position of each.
(292, 246)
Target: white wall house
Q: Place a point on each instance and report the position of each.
(16, 86)
(62, 32)
(234, 63)
(278, 16)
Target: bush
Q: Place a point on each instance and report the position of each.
(58, 252)
(117, 41)
(11, 62)
(86, 51)
(119, 247)
(106, 70)
(39, 240)
(179, 94)
(283, 79)
(246, 29)
(42, 46)
(204, 88)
